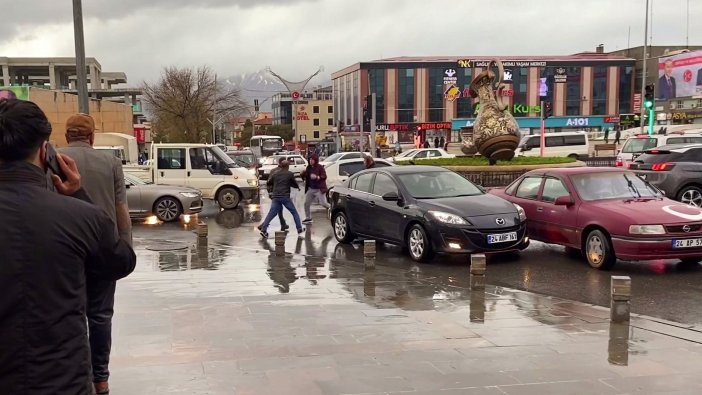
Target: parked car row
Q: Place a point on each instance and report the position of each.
(604, 214)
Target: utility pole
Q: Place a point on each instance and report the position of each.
(372, 125)
(543, 131)
(81, 72)
(214, 112)
(643, 76)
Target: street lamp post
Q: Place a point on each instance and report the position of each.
(643, 76)
(81, 72)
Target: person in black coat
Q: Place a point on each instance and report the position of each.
(50, 244)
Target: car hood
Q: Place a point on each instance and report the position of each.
(477, 209)
(166, 188)
(653, 212)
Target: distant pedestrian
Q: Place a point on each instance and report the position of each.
(269, 187)
(436, 142)
(617, 136)
(378, 152)
(368, 162)
(315, 187)
(398, 147)
(281, 183)
(442, 142)
(426, 144)
(606, 136)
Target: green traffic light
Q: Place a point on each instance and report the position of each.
(648, 104)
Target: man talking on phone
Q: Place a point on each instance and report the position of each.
(103, 180)
(49, 245)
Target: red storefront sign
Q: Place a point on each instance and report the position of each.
(612, 119)
(412, 126)
(140, 135)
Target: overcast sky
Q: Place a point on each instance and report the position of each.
(294, 37)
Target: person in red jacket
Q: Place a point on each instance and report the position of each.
(315, 186)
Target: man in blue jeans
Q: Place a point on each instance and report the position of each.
(282, 181)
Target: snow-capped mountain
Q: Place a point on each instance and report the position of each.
(262, 85)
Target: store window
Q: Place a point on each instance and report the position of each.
(520, 81)
(436, 95)
(356, 99)
(599, 91)
(573, 91)
(626, 75)
(376, 78)
(405, 111)
(464, 106)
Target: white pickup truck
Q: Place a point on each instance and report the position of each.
(200, 166)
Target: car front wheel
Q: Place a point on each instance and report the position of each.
(167, 209)
(228, 198)
(598, 251)
(342, 229)
(418, 244)
(691, 195)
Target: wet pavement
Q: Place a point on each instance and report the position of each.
(231, 317)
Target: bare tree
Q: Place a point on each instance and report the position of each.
(184, 99)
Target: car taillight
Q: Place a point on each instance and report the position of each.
(619, 162)
(662, 166)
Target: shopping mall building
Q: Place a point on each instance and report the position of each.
(588, 91)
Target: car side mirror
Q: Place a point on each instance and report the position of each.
(564, 201)
(127, 186)
(391, 197)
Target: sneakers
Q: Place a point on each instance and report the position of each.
(284, 228)
(301, 233)
(102, 388)
(307, 221)
(262, 232)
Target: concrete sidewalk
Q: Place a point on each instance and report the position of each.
(243, 321)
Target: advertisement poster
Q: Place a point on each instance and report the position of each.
(14, 92)
(679, 76)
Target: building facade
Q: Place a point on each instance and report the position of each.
(314, 119)
(431, 95)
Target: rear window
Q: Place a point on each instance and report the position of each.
(691, 155)
(635, 144)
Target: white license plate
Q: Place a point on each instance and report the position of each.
(502, 238)
(687, 243)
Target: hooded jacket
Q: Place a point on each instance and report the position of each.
(321, 181)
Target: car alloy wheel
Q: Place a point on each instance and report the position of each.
(167, 209)
(598, 251)
(342, 230)
(418, 244)
(691, 196)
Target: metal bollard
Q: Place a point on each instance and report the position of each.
(477, 306)
(620, 309)
(478, 268)
(202, 230)
(280, 243)
(369, 253)
(618, 347)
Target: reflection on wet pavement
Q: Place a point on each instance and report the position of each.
(232, 317)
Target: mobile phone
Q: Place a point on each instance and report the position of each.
(52, 161)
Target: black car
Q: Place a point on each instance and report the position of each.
(674, 169)
(427, 210)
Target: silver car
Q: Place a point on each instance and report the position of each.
(166, 202)
(674, 169)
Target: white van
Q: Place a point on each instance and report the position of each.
(203, 167)
(573, 144)
(636, 145)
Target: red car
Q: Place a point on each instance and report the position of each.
(606, 213)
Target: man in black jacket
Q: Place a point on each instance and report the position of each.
(282, 181)
(269, 187)
(49, 244)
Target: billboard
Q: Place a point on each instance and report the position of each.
(679, 76)
(14, 92)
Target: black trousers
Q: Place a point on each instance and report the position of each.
(101, 302)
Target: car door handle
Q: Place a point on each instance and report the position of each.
(161, 174)
(348, 196)
(372, 203)
(188, 174)
(540, 209)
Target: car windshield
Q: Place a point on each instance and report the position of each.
(271, 160)
(134, 180)
(438, 184)
(272, 143)
(402, 155)
(612, 185)
(333, 158)
(634, 145)
(245, 159)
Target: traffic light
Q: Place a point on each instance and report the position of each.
(649, 97)
(548, 109)
(256, 106)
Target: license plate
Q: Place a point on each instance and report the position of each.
(687, 243)
(502, 238)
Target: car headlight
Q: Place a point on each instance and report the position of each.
(191, 195)
(252, 182)
(520, 211)
(448, 218)
(647, 230)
